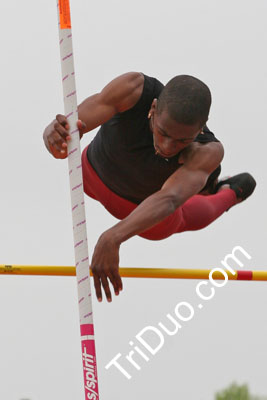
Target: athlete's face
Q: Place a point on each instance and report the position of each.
(170, 137)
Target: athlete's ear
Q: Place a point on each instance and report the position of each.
(152, 108)
(154, 104)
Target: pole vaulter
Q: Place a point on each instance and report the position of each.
(153, 164)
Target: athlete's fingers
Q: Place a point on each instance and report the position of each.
(63, 121)
(62, 127)
(63, 132)
(54, 145)
(117, 278)
(114, 283)
(81, 125)
(57, 154)
(106, 288)
(97, 284)
(56, 141)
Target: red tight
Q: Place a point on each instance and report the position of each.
(196, 213)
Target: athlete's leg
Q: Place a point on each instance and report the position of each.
(95, 188)
(196, 213)
(210, 187)
(200, 211)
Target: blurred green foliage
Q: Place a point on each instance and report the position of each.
(237, 392)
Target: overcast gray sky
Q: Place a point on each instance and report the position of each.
(222, 43)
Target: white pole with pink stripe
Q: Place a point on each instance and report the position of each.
(77, 204)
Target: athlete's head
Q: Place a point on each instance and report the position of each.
(179, 114)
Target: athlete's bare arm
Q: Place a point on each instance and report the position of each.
(187, 181)
(199, 161)
(119, 95)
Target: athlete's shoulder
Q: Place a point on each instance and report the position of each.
(146, 89)
(133, 80)
(202, 153)
(144, 83)
(123, 92)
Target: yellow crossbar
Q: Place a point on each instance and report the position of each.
(163, 273)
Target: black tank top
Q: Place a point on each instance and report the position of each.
(123, 155)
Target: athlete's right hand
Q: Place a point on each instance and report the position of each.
(56, 136)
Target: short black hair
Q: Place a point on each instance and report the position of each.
(187, 100)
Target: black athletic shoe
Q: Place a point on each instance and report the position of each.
(242, 184)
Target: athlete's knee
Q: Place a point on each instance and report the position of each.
(212, 181)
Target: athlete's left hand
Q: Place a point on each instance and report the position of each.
(105, 265)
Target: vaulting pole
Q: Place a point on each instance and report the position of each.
(77, 204)
(162, 273)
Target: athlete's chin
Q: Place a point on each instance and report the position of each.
(165, 155)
